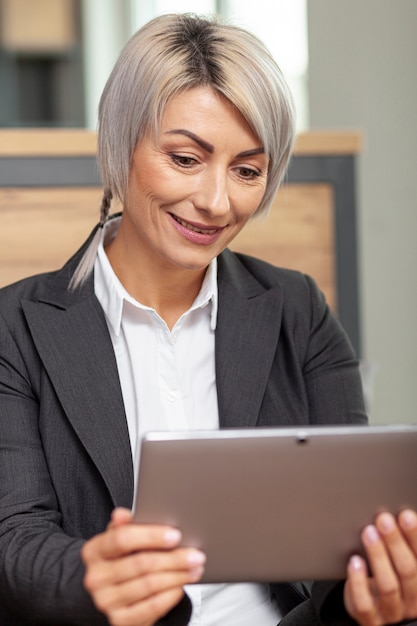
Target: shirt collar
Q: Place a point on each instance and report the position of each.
(111, 293)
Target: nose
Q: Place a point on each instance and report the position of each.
(212, 193)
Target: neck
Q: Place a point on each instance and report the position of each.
(169, 290)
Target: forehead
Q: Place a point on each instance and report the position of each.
(204, 110)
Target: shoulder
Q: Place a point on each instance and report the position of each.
(26, 289)
(12, 299)
(295, 285)
(52, 286)
(302, 305)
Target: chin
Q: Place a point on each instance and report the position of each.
(194, 265)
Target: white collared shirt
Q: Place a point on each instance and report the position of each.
(168, 384)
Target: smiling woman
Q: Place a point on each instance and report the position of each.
(155, 324)
(192, 188)
(157, 65)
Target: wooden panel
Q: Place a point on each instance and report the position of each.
(58, 141)
(311, 227)
(37, 25)
(42, 228)
(16, 142)
(333, 143)
(298, 233)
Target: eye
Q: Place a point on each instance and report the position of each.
(183, 161)
(248, 173)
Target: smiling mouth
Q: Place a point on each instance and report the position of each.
(195, 229)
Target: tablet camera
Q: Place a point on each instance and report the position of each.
(302, 437)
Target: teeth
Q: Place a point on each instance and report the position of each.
(204, 231)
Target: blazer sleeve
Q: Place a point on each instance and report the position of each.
(330, 368)
(40, 566)
(41, 571)
(334, 390)
(318, 361)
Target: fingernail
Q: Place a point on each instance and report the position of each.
(356, 563)
(371, 534)
(196, 574)
(408, 519)
(172, 536)
(386, 522)
(196, 558)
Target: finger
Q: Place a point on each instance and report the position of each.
(407, 520)
(147, 612)
(358, 597)
(119, 517)
(137, 590)
(403, 559)
(117, 542)
(388, 589)
(115, 571)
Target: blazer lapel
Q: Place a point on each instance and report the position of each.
(72, 339)
(73, 342)
(245, 344)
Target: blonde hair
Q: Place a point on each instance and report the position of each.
(169, 55)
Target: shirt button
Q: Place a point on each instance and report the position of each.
(172, 396)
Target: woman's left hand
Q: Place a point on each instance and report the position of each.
(390, 594)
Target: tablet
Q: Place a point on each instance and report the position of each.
(276, 504)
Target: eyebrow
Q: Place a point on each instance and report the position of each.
(208, 147)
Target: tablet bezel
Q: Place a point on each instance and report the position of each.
(276, 504)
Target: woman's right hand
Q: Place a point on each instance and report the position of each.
(135, 573)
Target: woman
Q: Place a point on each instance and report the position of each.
(155, 324)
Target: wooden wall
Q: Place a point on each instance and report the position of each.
(42, 225)
(298, 233)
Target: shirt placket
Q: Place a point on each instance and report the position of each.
(169, 381)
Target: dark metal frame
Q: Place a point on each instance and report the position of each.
(67, 84)
(337, 171)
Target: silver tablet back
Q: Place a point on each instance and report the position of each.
(276, 504)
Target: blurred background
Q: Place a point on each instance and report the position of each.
(351, 64)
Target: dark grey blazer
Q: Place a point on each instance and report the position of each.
(65, 461)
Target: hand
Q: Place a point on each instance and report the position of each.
(135, 573)
(390, 595)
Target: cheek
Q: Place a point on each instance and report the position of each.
(247, 204)
(143, 180)
(163, 185)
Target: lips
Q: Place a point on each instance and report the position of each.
(195, 229)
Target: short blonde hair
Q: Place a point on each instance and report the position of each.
(169, 55)
(173, 53)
